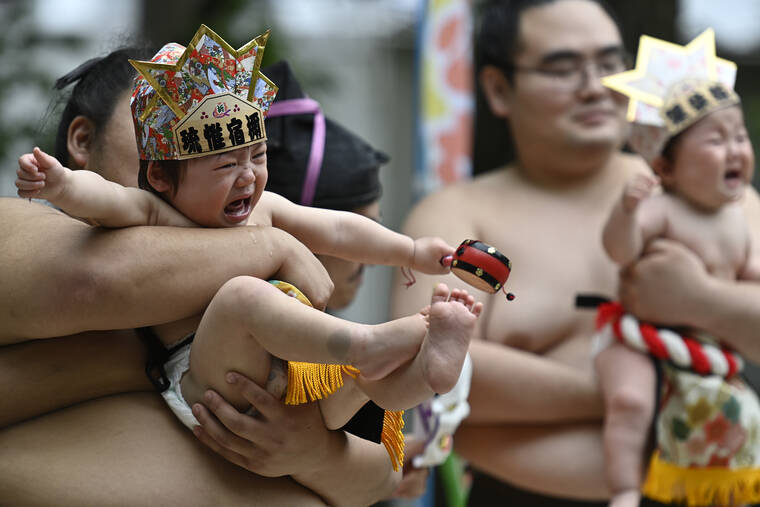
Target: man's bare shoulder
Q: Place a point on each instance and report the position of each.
(477, 187)
(455, 206)
(15, 211)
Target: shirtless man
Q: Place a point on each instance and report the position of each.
(545, 212)
(535, 409)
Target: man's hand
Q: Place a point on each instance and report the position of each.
(414, 481)
(664, 284)
(301, 268)
(280, 440)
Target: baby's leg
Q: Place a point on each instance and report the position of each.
(628, 381)
(249, 317)
(435, 369)
(338, 408)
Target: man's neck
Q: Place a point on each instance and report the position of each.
(566, 171)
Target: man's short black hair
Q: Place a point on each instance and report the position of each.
(497, 39)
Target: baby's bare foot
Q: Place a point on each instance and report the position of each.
(389, 345)
(452, 317)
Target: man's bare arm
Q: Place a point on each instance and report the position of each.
(360, 473)
(292, 440)
(61, 276)
(511, 386)
(528, 455)
(41, 376)
(670, 286)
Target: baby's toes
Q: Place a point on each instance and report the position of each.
(458, 295)
(440, 293)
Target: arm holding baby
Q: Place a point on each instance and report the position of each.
(354, 237)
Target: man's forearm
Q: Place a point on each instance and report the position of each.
(512, 386)
(61, 277)
(41, 376)
(559, 460)
(359, 473)
(730, 311)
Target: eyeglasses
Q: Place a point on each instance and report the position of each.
(570, 71)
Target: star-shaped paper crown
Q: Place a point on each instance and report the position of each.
(672, 87)
(206, 98)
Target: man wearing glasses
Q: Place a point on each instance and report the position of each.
(536, 410)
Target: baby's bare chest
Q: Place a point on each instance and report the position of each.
(720, 240)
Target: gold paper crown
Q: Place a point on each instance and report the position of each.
(688, 101)
(672, 87)
(205, 98)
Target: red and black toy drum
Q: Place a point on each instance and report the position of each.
(481, 265)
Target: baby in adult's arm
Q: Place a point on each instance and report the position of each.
(402, 362)
(704, 172)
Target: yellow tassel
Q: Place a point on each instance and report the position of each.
(669, 483)
(312, 381)
(392, 437)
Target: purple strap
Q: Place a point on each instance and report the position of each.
(304, 106)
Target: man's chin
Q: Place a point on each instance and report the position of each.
(609, 138)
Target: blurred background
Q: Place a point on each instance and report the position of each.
(398, 72)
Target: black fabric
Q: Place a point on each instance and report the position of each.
(590, 300)
(367, 423)
(157, 357)
(488, 491)
(348, 178)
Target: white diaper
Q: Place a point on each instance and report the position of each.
(175, 367)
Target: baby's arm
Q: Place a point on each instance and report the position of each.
(86, 194)
(355, 237)
(624, 233)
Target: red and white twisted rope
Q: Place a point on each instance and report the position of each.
(684, 352)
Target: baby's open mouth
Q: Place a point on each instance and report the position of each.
(238, 208)
(733, 177)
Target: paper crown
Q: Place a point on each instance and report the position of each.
(672, 87)
(202, 99)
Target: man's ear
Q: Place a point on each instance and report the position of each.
(497, 90)
(79, 140)
(157, 177)
(663, 168)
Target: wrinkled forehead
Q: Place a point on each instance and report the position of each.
(575, 26)
(730, 118)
